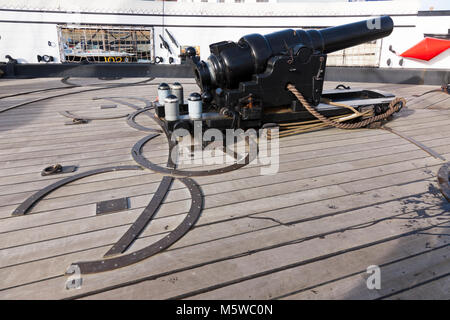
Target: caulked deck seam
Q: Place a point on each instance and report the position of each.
(286, 193)
(200, 224)
(235, 179)
(396, 171)
(273, 246)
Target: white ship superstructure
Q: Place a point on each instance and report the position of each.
(158, 31)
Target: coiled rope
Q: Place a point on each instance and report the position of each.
(395, 105)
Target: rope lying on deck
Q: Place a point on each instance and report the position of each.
(394, 106)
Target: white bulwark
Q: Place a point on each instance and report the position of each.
(159, 31)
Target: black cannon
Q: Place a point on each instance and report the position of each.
(245, 82)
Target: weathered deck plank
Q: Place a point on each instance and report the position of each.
(338, 195)
(397, 277)
(289, 283)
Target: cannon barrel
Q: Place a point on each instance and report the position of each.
(348, 35)
(231, 62)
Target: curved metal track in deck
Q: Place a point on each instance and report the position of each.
(69, 83)
(70, 115)
(36, 91)
(141, 222)
(25, 206)
(131, 121)
(87, 267)
(136, 153)
(116, 99)
(71, 93)
(144, 218)
(150, 210)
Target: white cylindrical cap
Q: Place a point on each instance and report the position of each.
(171, 108)
(177, 90)
(163, 92)
(195, 106)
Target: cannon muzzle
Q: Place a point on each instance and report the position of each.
(231, 63)
(352, 34)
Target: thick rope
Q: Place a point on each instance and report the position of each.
(394, 106)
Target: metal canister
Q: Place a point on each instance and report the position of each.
(195, 106)
(171, 108)
(177, 90)
(163, 92)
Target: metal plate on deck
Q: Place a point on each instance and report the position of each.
(50, 170)
(108, 106)
(110, 206)
(25, 206)
(143, 220)
(192, 216)
(71, 115)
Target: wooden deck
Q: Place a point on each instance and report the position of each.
(342, 201)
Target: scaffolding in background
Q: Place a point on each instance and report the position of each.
(106, 44)
(363, 55)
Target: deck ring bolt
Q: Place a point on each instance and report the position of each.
(56, 168)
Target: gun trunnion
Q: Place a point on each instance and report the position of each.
(243, 84)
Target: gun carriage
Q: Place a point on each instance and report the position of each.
(245, 84)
